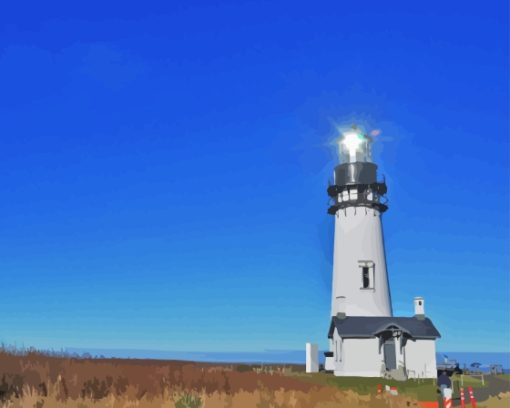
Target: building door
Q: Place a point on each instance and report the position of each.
(390, 357)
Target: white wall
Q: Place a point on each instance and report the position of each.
(329, 364)
(360, 358)
(420, 357)
(359, 237)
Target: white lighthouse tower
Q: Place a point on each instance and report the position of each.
(365, 339)
(360, 281)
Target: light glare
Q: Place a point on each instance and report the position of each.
(351, 141)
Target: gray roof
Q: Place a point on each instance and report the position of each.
(364, 326)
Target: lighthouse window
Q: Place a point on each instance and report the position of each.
(367, 274)
(366, 279)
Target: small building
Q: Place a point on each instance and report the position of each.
(377, 346)
(496, 369)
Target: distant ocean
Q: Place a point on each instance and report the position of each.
(277, 356)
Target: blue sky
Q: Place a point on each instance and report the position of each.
(164, 169)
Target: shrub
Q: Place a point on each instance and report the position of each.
(243, 368)
(188, 401)
(96, 389)
(11, 386)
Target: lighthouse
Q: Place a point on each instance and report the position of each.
(360, 281)
(365, 338)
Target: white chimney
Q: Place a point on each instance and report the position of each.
(340, 307)
(419, 308)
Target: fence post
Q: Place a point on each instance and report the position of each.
(472, 397)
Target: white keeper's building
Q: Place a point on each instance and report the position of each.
(365, 339)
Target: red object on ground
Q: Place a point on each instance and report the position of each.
(379, 389)
(447, 402)
(428, 404)
(462, 399)
(472, 397)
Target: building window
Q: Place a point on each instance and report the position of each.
(338, 350)
(367, 274)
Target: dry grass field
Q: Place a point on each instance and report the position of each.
(33, 379)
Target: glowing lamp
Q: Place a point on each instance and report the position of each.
(354, 146)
